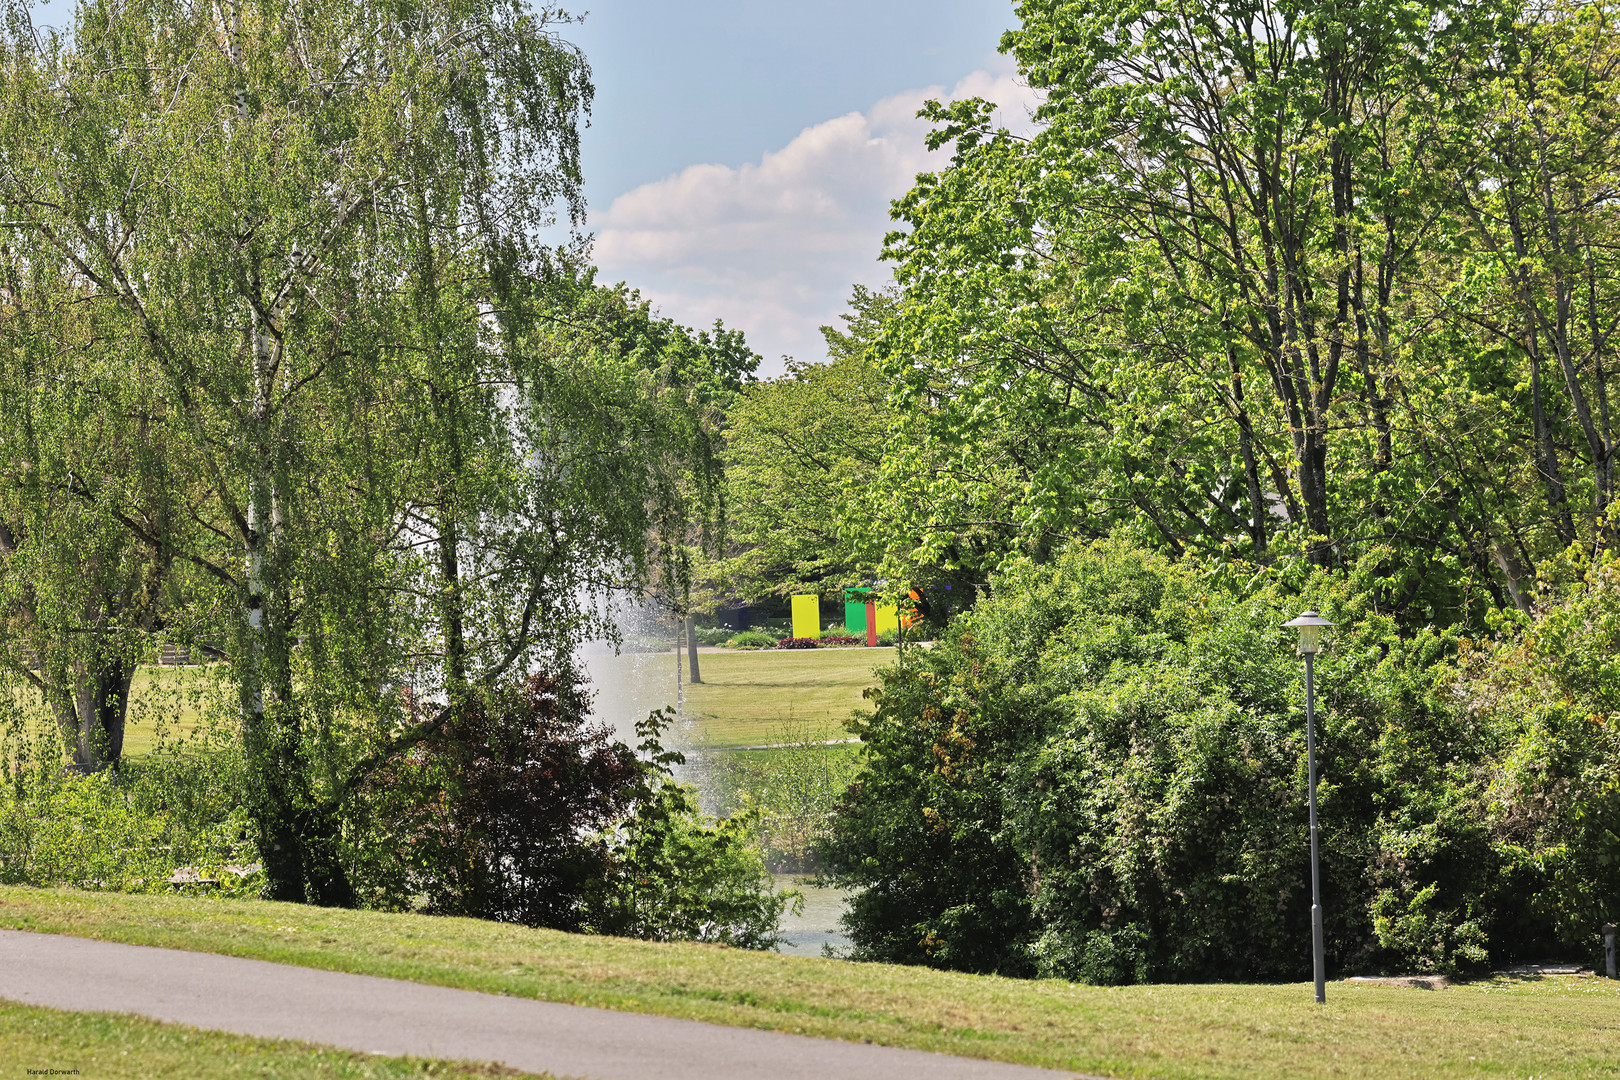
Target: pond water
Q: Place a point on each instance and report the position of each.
(630, 685)
(804, 934)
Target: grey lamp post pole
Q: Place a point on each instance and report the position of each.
(1310, 627)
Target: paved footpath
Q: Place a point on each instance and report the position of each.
(388, 1016)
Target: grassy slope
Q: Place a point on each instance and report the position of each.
(129, 1048)
(1550, 1028)
(746, 698)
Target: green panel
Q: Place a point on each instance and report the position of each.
(855, 617)
(806, 616)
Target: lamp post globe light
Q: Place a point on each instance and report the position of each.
(1310, 626)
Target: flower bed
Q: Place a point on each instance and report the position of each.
(817, 642)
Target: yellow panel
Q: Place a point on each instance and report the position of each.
(806, 616)
(888, 618)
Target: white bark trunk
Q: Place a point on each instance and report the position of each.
(257, 540)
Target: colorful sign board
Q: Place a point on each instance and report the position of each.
(807, 616)
(855, 617)
(855, 611)
(888, 618)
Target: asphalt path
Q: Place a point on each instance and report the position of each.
(388, 1016)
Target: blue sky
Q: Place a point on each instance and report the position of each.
(742, 154)
(723, 81)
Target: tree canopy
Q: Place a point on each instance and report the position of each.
(303, 389)
(1278, 306)
(1288, 279)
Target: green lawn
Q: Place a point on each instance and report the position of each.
(749, 698)
(164, 702)
(110, 1047)
(1502, 1028)
(745, 699)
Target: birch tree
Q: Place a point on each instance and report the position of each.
(86, 515)
(220, 175)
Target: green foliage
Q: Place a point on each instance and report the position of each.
(714, 635)
(291, 377)
(1437, 941)
(1099, 774)
(752, 639)
(793, 787)
(1270, 280)
(522, 811)
(679, 875)
(799, 452)
(128, 831)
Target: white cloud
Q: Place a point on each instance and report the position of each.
(773, 247)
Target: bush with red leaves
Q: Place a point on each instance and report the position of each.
(520, 811)
(502, 815)
(817, 642)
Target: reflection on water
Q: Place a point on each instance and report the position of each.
(804, 934)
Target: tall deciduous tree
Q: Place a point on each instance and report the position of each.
(800, 452)
(1325, 279)
(236, 181)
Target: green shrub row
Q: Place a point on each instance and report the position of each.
(169, 821)
(1099, 775)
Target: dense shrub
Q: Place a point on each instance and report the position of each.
(522, 811)
(679, 875)
(1100, 775)
(841, 639)
(714, 635)
(174, 810)
(752, 639)
(799, 643)
(502, 816)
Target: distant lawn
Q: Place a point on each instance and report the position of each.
(747, 698)
(1556, 1027)
(110, 1047)
(168, 698)
(164, 702)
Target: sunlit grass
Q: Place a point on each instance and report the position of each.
(166, 705)
(112, 1047)
(1556, 1027)
(747, 697)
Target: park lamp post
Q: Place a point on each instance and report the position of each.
(1310, 626)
